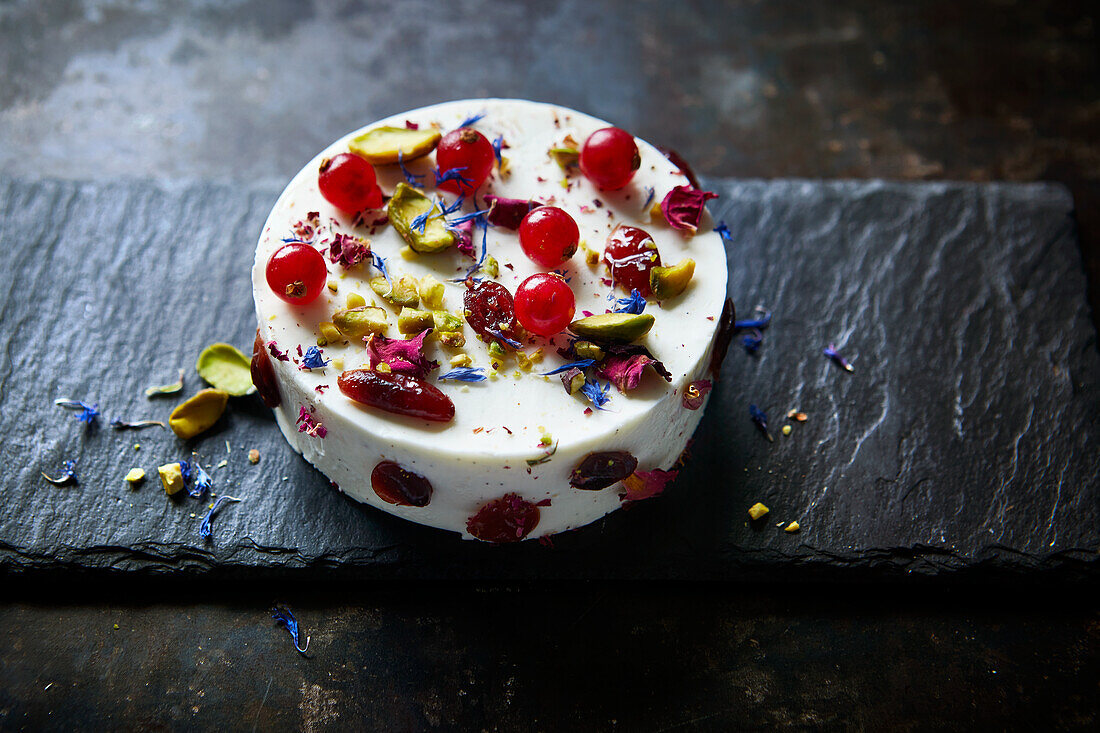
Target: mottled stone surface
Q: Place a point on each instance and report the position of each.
(965, 439)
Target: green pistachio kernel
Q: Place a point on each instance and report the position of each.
(412, 321)
(588, 350)
(329, 332)
(224, 367)
(668, 282)
(565, 157)
(198, 414)
(452, 338)
(402, 294)
(407, 204)
(431, 292)
(355, 300)
(619, 328)
(445, 321)
(355, 323)
(575, 381)
(491, 268)
(390, 144)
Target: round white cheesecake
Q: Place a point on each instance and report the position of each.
(517, 432)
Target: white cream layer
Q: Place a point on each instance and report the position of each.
(482, 454)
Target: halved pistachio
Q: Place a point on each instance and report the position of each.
(198, 414)
(405, 206)
(431, 292)
(390, 144)
(224, 367)
(445, 321)
(588, 350)
(329, 332)
(452, 339)
(355, 323)
(402, 294)
(619, 328)
(412, 321)
(668, 282)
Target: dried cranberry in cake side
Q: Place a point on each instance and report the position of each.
(397, 393)
(631, 253)
(263, 374)
(600, 470)
(507, 519)
(400, 486)
(465, 159)
(491, 311)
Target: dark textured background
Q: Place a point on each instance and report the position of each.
(245, 92)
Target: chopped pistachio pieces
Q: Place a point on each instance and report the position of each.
(355, 300)
(198, 414)
(329, 332)
(491, 268)
(333, 286)
(171, 477)
(253, 456)
(758, 510)
(135, 476)
(461, 360)
(792, 527)
(588, 350)
(786, 430)
(444, 321)
(355, 323)
(668, 282)
(401, 294)
(591, 256)
(413, 321)
(225, 367)
(452, 338)
(431, 292)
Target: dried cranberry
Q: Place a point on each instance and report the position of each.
(400, 486)
(722, 340)
(491, 311)
(507, 519)
(263, 374)
(600, 470)
(397, 393)
(631, 253)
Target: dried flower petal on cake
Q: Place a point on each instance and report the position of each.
(647, 484)
(314, 359)
(404, 356)
(683, 207)
(465, 374)
(508, 213)
(308, 424)
(348, 251)
(695, 394)
(87, 413)
(625, 370)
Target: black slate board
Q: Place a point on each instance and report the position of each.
(966, 439)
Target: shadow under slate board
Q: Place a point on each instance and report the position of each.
(965, 441)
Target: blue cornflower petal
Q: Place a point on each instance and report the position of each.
(205, 528)
(283, 615)
(724, 231)
(473, 120)
(313, 359)
(498, 143)
(465, 374)
(202, 484)
(88, 413)
(633, 303)
(598, 397)
(582, 364)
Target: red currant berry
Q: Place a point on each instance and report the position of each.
(609, 158)
(631, 253)
(297, 273)
(507, 519)
(549, 236)
(348, 183)
(465, 159)
(544, 304)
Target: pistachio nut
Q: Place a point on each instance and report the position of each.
(431, 292)
(405, 206)
(225, 367)
(401, 294)
(391, 144)
(619, 328)
(668, 282)
(355, 323)
(199, 413)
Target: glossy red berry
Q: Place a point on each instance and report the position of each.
(297, 273)
(397, 393)
(507, 519)
(544, 304)
(348, 183)
(465, 159)
(609, 158)
(549, 236)
(397, 485)
(491, 311)
(631, 253)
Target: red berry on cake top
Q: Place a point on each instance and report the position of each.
(464, 159)
(609, 158)
(549, 236)
(296, 273)
(348, 183)
(544, 304)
